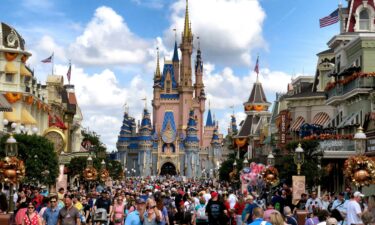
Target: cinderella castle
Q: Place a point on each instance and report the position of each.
(175, 141)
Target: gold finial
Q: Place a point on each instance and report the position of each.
(187, 28)
(157, 72)
(175, 34)
(199, 43)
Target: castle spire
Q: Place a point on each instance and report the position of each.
(187, 28)
(157, 71)
(175, 52)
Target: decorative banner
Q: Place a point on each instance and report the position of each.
(299, 185)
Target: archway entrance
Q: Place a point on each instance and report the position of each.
(168, 169)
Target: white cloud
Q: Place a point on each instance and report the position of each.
(107, 40)
(228, 29)
(237, 88)
(101, 98)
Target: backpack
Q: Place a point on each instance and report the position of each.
(201, 213)
(188, 210)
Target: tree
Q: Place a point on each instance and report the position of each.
(39, 157)
(95, 144)
(310, 168)
(78, 164)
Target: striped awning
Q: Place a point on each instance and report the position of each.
(297, 124)
(321, 119)
(27, 118)
(12, 116)
(4, 104)
(353, 120)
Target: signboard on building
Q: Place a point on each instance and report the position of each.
(283, 126)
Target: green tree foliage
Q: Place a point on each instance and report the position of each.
(39, 156)
(78, 164)
(310, 168)
(96, 145)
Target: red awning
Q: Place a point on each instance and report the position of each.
(321, 119)
(297, 124)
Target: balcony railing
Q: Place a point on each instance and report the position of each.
(360, 82)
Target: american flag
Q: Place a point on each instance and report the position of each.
(256, 69)
(329, 20)
(47, 60)
(69, 73)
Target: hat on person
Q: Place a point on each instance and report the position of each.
(140, 201)
(214, 194)
(358, 194)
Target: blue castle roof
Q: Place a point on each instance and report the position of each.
(191, 134)
(234, 124)
(175, 53)
(209, 121)
(168, 68)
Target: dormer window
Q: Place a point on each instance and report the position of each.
(364, 20)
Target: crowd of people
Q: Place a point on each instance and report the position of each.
(175, 201)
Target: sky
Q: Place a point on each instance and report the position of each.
(112, 47)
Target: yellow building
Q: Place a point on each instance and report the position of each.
(20, 94)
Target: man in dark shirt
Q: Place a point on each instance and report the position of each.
(216, 211)
(104, 202)
(68, 215)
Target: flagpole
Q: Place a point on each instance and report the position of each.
(70, 68)
(53, 61)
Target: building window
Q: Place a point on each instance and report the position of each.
(9, 77)
(364, 20)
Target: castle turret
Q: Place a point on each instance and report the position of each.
(176, 63)
(191, 147)
(216, 149)
(186, 48)
(233, 126)
(198, 73)
(145, 145)
(125, 136)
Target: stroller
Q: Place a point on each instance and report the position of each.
(100, 217)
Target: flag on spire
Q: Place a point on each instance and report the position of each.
(69, 73)
(48, 60)
(256, 69)
(330, 19)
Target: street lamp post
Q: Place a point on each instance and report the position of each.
(299, 158)
(360, 141)
(11, 150)
(270, 159)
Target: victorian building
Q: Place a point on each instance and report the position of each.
(175, 141)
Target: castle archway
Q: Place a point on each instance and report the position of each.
(168, 168)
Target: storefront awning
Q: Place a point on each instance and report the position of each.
(24, 71)
(321, 119)
(27, 118)
(12, 116)
(10, 68)
(4, 104)
(297, 124)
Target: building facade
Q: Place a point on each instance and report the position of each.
(175, 141)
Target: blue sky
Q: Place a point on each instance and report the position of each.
(112, 47)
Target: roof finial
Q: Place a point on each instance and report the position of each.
(256, 68)
(187, 24)
(145, 99)
(199, 43)
(209, 104)
(175, 34)
(157, 72)
(232, 107)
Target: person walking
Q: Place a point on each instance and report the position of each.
(69, 215)
(354, 211)
(216, 211)
(118, 215)
(51, 214)
(258, 217)
(31, 217)
(137, 216)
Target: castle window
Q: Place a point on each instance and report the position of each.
(364, 20)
